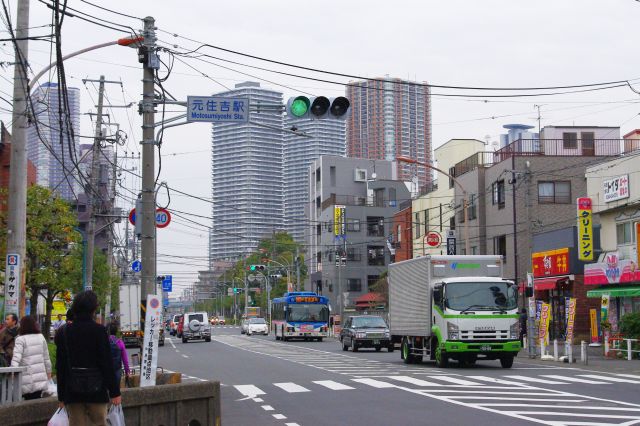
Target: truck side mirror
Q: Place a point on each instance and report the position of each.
(437, 294)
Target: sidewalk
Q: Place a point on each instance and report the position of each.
(596, 360)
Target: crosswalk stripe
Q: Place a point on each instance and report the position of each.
(414, 381)
(332, 385)
(375, 383)
(454, 380)
(249, 390)
(495, 380)
(291, 387)
(609, 378)
(633, 376)
(536, 380)
(574, 379)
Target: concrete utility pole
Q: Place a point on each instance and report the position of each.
(93, 191)
(297, 269)
(17, 199)
(147, 214)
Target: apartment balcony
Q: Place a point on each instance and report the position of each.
(352, 200)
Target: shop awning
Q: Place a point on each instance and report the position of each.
(549, 283)
(615, 291)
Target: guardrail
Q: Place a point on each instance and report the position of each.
(614, 344)
(11, 384)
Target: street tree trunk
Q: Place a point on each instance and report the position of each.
(51, 295)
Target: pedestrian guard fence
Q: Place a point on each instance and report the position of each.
(617, 345)
(11, 384)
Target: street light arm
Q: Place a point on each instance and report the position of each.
(429, 166)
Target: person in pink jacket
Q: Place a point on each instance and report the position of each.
(118, 352)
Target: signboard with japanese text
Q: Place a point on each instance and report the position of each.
(152, 324)
(604, 308)
(545, 318)
(613, 270)
(216, 109)
(616, 188)
(550, 263)
(585, 229)
(571, 318)
(593, 325)
(433, 239)
(339, 222)
(12, 285)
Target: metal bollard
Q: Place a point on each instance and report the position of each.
(606, 345)
(555, 349)
(570, 353)
(584, 355)
(543, 349)
(628, 349)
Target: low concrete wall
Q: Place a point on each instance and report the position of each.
(193, 404)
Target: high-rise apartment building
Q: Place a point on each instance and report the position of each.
(323, 137)
(247, 175)
(390, 117)
(55, 155)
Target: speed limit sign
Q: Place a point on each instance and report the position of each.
(432, 239)
(163, 218)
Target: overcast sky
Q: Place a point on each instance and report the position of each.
(490, 43)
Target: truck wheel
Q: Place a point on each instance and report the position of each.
(378, 348)
(184, 340)
(319, 339)
(442, 361)
(207, 339)
(506, 362)
(406, 351)
(391, 348)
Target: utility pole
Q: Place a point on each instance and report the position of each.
(15, 292)
(149, 58)
(92, 191)
(531, 327)
(297, 269)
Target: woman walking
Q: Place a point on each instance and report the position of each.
(31, 351)
(86, 380)
(118, 352)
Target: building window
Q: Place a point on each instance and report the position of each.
(399, 234)
(375, 226)
(318, 203)
(497, 189)
(353, 254)
(354, 284)
(353, 225)
(392, 197)
(473, 211)
(82, 208)
(425, 215)
(372, 280)
(452, 173)
(318, 229)
(416, 223)
(500, 246)
(318, 175)
(554, 192)
(569, 140)
(624, 233)
(332, 175)
(375, 255)
(452, 223)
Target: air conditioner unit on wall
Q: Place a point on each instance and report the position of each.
(360, 175)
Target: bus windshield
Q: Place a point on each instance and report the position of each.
(312, 313)
(481, 296)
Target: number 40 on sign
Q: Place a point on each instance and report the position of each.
(163, 217)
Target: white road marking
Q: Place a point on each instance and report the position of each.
(258, 400)
(279, 416)
(496, 380)
(568, 407)
(609, 378)
(503, 398)
(556, 413)
(575, 379)
(332, 385)
(267, 408)
(414, 381)
(185, 356)
(291, 387)
(249, 390)
(172, 344)
(291, 424)
(536, 380)
(375, 383)
(455, 380)
(633, 376)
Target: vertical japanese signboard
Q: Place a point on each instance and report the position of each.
(545, 317)
(604, 308)
(593, 322)
(585, 229)
(339, 222)
(571, 318)
(152, 324)
(12, 285)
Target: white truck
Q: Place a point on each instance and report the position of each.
(130, 314)
(453, 307)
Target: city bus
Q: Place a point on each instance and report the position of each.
(302, 314)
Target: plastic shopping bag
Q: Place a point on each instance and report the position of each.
(115, 416)
(60, 418)
(51, 390)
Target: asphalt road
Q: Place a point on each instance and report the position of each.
(265, 382)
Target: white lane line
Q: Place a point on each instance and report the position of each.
(536, 380)
(291, 424)
(568, 407)
(633, 376)
(258, 400)
(555, 413)
(291, 387)
(185, 356)
(249, 390)
(455, 380)
(575, 379)
(332, 385)
(267, 408)
(279, 416)
(502, 398)
(375, 383)
(414, 381)
(609, 378)
(172, 344)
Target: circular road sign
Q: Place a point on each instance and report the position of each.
(163, 218)
(136, 266)
(433, 239)
(132, 217)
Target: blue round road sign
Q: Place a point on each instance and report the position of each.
(136, 266)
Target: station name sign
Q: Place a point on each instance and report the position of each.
(217, 109)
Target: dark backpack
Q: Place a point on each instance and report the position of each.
(116, 354)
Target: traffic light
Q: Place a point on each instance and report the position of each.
(318, 107)
(237, 290)
(257, 268)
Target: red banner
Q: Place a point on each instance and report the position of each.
(550, 263)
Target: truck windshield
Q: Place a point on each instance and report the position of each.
(318, 313)
(481, 296)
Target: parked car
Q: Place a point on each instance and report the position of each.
(244, 325)
(221, 321)
(365, 331)
(173, 325)
(195, 325)
(257, 326)
(214, 320)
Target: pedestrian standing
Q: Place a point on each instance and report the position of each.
(7, 339)
(31, 351)
(58, 323)
(523, 325)
(118, 352)
(86, 380)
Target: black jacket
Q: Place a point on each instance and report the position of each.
(89, 347)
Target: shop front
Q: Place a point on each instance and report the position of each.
(620, 280)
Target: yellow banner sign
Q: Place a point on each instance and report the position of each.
(339, 221)
(571, 318)
(545, 318)
(585, 229)
(593, 317)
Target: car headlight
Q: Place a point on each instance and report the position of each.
(360, 335)
(514, 330)
(452, 331)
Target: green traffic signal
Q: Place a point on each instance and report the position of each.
(252, 268)
(299, 106)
